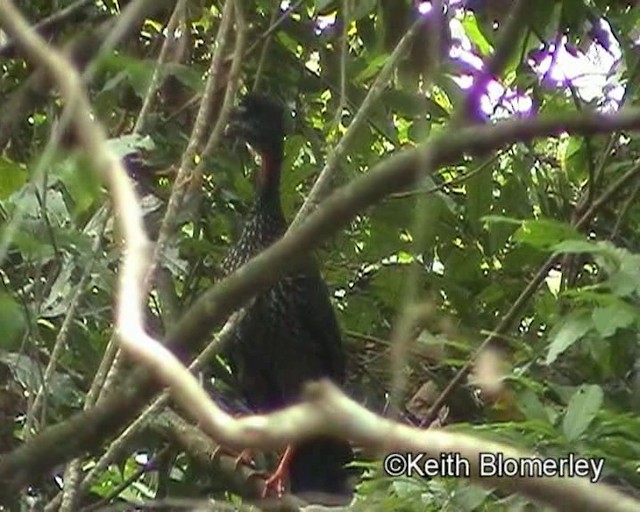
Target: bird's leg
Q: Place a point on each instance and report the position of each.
(277, 479)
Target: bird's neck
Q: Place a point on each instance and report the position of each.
(267, 180)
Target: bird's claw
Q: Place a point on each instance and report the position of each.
(274, 485)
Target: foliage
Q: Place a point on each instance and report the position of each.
(573, 377)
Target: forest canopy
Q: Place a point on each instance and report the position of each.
(465, 175)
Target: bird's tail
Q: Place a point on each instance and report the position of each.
(317, 471)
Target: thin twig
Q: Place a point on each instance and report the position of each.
(323, 183)
(185, 172)
(511, 316)
(265, 50)
(230, 93)
(344, 55)
(61, 339)
(157, 77)
(50, 22)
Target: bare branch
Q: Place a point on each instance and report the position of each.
(234, 75)
(323, 183)
(155, 83)
(48, 25)
(265, 50)
(63, 333)
(185, 174)
(344, 55)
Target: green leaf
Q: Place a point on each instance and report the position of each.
(479, 189)
(607, 320)
(60, 295)
(28, 371)
(82, 185)
(469, 498)
(12, 320)
(187, 75)
(472, 30)
(373, 66)
(545, 233)
(12, 177)
(323, 5)
(531, 406)
(575, 160)
(137, 71)
(545, 17)
(582, 408)
(29, 243)
(575, 247)
(625, 277)
(442, 96)
(570, 330)
(573, 13)
(362, 8)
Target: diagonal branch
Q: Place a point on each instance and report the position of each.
(323, 183)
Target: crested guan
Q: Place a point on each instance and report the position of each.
(289, 334)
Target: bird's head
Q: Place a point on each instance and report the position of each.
(259, 121)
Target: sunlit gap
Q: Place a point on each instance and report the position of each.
(497, 101)
(426, 7)
(324, 22)
(593, 72)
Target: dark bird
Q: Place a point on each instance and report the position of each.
(289, 334)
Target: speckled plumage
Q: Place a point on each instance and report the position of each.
(289, 334)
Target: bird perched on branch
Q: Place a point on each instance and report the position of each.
(289, 334)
